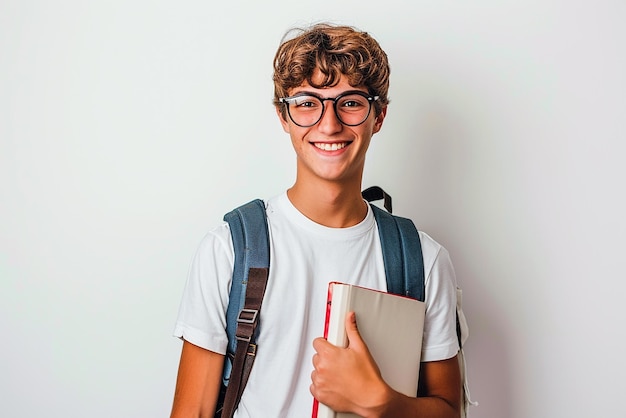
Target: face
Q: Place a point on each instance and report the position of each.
(329, 150)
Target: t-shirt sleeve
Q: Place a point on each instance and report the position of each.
(440, 340)
(202, 312)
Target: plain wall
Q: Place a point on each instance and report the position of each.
(128, 128)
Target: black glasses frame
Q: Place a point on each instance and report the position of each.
(289, 100)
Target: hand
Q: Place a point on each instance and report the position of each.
(347, 379)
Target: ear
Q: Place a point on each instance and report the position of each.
(283, 122)
(378, 123)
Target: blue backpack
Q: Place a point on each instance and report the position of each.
(404, 270)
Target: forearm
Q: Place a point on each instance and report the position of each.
(187, 404)
(439, 395)
(394, 404)
(198, 382)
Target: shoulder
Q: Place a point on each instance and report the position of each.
(437, 260)
(431, 248)
(216, 242)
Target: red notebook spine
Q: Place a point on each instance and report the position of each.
(329, 299)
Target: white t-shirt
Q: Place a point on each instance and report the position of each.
(304, 256)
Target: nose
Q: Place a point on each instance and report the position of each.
(329, 123)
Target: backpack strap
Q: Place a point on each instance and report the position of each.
(250, 236)
(377, 193)
(248, 228)
(247, 323)
(404, 269)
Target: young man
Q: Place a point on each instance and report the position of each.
(331, 86)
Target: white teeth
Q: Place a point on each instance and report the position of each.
(330, 147)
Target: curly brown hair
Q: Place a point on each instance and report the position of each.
(334, 51)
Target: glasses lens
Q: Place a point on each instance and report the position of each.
(305, 110)
(353, 109)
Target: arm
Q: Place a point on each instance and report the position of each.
(198, 382)
(347, 379)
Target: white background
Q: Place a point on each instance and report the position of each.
(128, 128)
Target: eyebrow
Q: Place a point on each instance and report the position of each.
(310, 93)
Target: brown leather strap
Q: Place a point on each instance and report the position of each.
(246, 348)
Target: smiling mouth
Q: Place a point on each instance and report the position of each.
(331, 147)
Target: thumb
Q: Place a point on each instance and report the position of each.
(352, 331)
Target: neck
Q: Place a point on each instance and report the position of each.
(329, 204)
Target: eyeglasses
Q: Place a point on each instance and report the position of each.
(351, 107)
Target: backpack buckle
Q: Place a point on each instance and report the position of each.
(247, 316)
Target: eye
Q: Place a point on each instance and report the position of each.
(353, 102)
(306, 102)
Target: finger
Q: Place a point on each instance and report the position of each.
(352, 331)
(321, 345)
(318, 343)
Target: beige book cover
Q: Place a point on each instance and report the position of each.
(392, 326)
